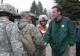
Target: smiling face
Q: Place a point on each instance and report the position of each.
(44, 22)
(56, 13)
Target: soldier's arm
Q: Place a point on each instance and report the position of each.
(16, 44)
(37, 36)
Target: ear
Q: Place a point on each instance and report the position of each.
(10, 16)
(59, 12)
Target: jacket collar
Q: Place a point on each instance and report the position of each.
(4, 19)
(59, 20)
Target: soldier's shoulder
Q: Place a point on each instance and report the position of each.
(32, 26)
(12, 24)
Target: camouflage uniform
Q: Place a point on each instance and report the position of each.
(10, 45)
(42, 26)
(37, 36)
(43, 31)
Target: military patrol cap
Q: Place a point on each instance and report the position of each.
(26, 13)
(7, 8)
(43, 17)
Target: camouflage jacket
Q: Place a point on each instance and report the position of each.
(10, 33)
(34, 31)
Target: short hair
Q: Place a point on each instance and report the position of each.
(59, 8)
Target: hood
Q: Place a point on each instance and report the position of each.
(22, 23)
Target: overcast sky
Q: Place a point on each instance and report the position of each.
(26, 4)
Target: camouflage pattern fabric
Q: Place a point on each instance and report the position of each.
(8, 8)
(40, 52)
(37, 36)
(43, 17)
(27, 13)
(17, 48)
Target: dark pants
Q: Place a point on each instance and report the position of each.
(78, 48)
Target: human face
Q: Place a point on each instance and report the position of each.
(56, 13)
(44, 22)
(29, 18)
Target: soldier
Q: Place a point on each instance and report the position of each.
(10, 45)
(35, 33)
(42, 26)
